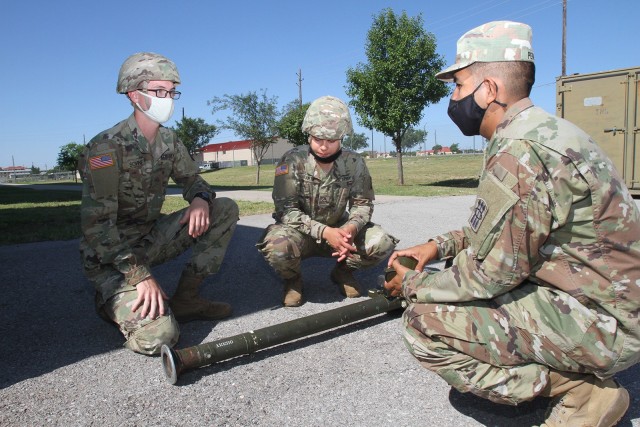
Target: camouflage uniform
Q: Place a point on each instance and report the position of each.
(544, 282)
(124, 234)
(306, 201)
(545, 275)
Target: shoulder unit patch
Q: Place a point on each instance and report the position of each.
(478, 213)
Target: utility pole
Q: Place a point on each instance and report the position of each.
(372, 143)
(424, 141)
(564, 37)
(300, 86)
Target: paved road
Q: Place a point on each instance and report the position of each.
(62, 366)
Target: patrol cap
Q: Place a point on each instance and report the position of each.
(496, 41)
(327, 118)
(145, 66)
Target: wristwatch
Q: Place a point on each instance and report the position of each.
(204, 196)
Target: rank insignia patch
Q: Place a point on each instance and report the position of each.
(479, 212)
(282, 170)
(101, 161)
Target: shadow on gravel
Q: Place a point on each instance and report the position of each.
(533, 413)
(47, 315)
(489, 413)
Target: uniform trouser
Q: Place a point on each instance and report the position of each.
(166, 240)
(502, 349)
(284, 248)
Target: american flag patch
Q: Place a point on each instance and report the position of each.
(282, 169)
(101, 161)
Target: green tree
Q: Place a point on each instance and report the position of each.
(355, 142)
(391, 91)
(454, 148)
(35, 170)
(68, 157)
(411, 138)
(254, 117)
(194, 133)
(290, 125)
(437, 148)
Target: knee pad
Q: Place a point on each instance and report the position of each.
(149, 339)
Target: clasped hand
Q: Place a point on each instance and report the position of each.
(341, 240)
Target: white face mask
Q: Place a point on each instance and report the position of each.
(160, 110)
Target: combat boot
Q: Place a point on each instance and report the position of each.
(584, 400)
(293, 292)
(342, 276)
(187, 305)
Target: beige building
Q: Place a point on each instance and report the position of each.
(238, 153)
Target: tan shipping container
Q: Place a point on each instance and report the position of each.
(605, 105)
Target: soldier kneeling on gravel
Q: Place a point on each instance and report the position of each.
(125, 172)
(542, 296)
(323, 200)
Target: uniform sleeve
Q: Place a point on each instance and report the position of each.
(100, 166)
(185, 174)
(450, 244)
(509, 223)
(287, 189)
(361, 197)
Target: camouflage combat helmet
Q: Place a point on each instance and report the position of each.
(497, 41)
(143, 67)
(327, 118)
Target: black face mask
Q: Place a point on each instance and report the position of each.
(329, 159)
(467, 114)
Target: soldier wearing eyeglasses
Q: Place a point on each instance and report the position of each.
(125, 172)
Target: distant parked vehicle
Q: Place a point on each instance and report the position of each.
(207, 166)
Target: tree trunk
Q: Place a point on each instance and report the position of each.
(258, 174)
(399, 157)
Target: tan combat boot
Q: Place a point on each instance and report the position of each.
(293, 292)
(187, 305)
(584, 400)
(342, 276)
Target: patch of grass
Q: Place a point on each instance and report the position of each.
(427, 176)
(28, 215)
(445, 175)
(175, 203)
(35, 215)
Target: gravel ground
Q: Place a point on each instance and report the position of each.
(63, 366)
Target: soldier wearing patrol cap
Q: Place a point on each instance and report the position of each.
(323, 199)
(125, 172)
(542, 295)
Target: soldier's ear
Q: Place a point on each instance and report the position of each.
(133, 96)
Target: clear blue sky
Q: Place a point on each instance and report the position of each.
(60, 59)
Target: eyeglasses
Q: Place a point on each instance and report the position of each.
(162, 93)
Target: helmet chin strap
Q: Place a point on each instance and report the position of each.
(329, 159)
